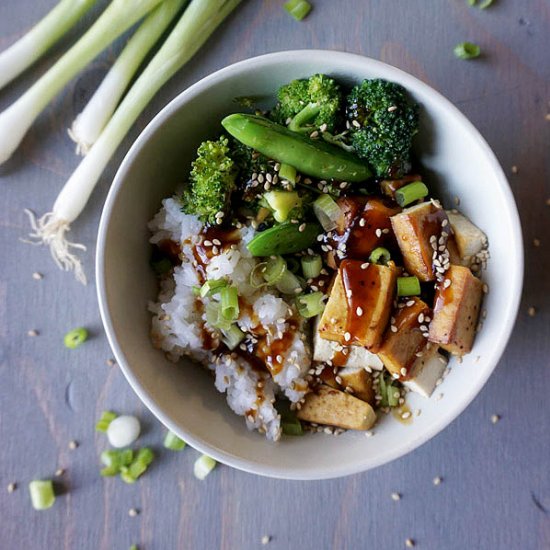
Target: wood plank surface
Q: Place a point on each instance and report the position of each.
(495, 492)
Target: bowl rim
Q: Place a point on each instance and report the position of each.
(515, 280)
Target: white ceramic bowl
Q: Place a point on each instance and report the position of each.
(183, 397)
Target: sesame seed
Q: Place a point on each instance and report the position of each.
(495, 418)
(395, 496)
(536, 242)
(266, 539)
(359, 311)
(485, 289)
(217, 242)
(547, 116)
(207, 243)
(133, 512)
(37, 276)
(403, 373)
(269, 178)
(73, 445)
(378, 233)
(406, 415)
(410, 303)
(347, 336)
(369, 433)
(314, 134)
(59, 472)
(356, 123)
(514, 169)
(110, 362)
(532, 311)
(12, 487)
(393, 328)
(323, 127)
(437, 481)
(420, 318)
(409, 543)
(365, 265)
(32, 333)
(362, 222)
(302, 228)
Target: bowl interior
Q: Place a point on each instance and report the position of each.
(459, 164)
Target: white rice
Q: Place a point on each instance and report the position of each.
(177, 323)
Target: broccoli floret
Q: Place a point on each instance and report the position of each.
(309, 104)
(211, 182)
(383, 124)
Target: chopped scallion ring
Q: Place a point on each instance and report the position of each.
(257, 279)
(327, 211)
(229, 303)
(103, 423)
(408, 286)
(289, 283)
(380, 256)
(173, 442)
(287, 172)
(203, 466)
(75, 338)
(411, 193)
(214, 316)
(211, 287)
(311, 266)
(467, 50)
(310, 305)
(297, 8)
(233, 336)
(42, 494)
(274, 270)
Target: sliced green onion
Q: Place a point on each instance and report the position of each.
(311, 266)
(233, 336)
(162, 266)
(391, 392)
(75, 338)
(297, 8)
(274, 270)
(203, 466)
(103, 423)
(173, 442)
(282, 203)
(257, 275)
(411, 193)
(289, 283)
(196, 290)
(382, 390)
(290, 424)
(42, 494)
(327, 211)
(229, 303)
(310, 305)
(380, 256)
(209, 288)
(116, 459)
(109, 471)
(467, 50)
(408, 286)
(138, 467)
(215, 318)
(287, 172)
(292, 264)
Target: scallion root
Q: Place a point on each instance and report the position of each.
(51, 231)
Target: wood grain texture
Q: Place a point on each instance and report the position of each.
(496, 488)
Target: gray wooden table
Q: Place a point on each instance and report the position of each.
(495, 491)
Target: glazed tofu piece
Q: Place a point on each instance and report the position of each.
(326, 405)
(408, 338)
(359, 381)
(420, 231)
(469, 239)
(456, 311)
(342, 356)
(364, 225)
(426, 371)
(359, 304)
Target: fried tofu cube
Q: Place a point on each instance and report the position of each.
(426, 371)
(359, 381)
(333, 407)
(469, 239)
(456, 311)
(341, 356)
(400, 347)
(359, 304)
(420, 230)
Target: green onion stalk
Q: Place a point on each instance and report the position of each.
(196, 25)
(15, 121)
(31, 47)
(88, 125)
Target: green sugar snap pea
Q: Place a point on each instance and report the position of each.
(313, 158)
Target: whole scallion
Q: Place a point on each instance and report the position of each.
(23, 53)
(88, 125)
(196, 25)
(15, 121)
